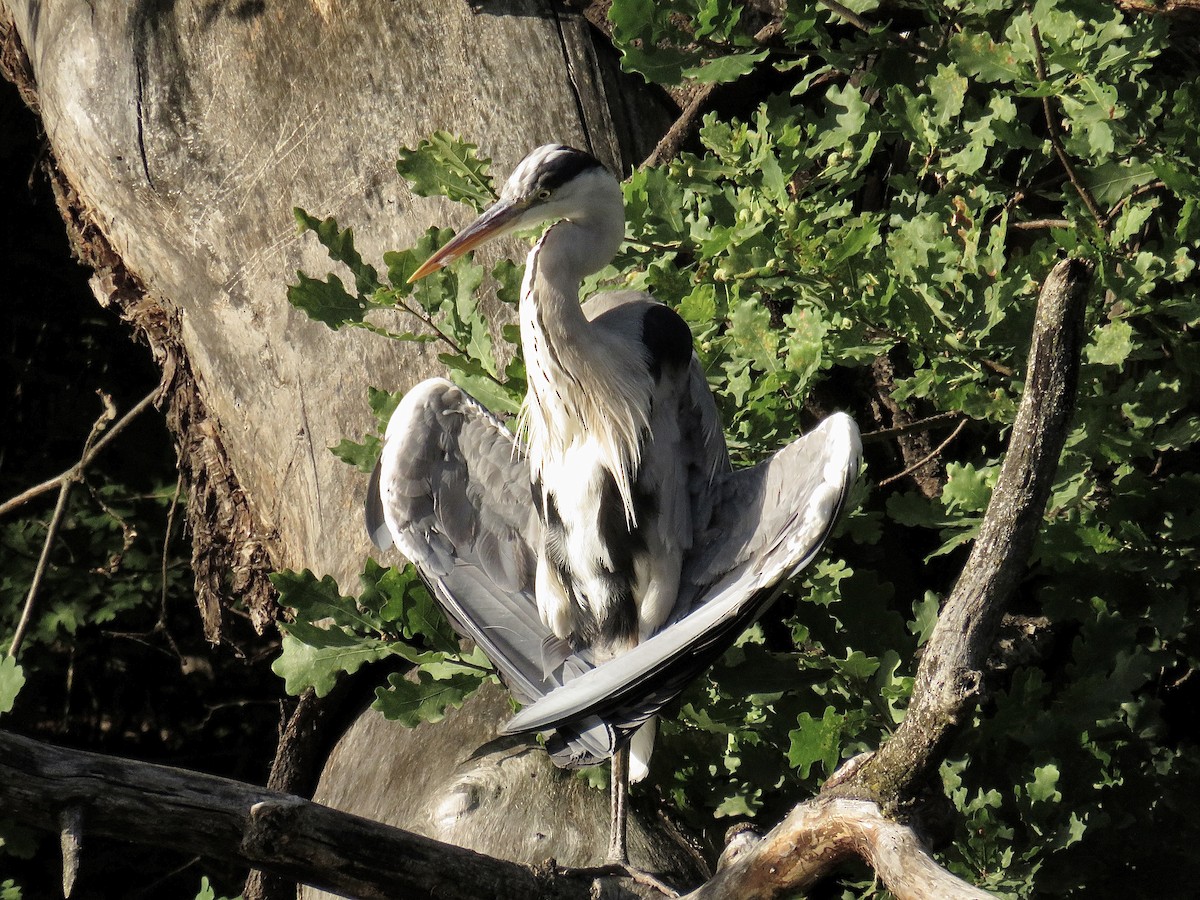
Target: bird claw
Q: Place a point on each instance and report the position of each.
(641, 876)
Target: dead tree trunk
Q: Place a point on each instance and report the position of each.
(181, 136)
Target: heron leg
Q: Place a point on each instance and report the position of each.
(618, 846)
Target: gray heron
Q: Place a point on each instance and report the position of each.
(608, 558)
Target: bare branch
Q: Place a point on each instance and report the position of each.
(949, 679)
(93, 445)
(926, 424)
(258, 828)
(668, 147)
(1041, 224)
(844, 12)
(92, 448)
(1056, 137)
(818, 836)
(60, 508)
(1162, 7)
(933, 454)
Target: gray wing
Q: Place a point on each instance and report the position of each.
(452, 490)
(767, 523)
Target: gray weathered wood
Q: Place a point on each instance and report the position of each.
(444, 795)
(182, 134)
(201, 814)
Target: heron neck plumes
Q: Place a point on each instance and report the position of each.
(584, 384)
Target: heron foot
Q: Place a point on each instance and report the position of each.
(641, 876)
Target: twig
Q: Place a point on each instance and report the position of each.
(51, 532)
(1133, 195)
(93, 445)
(668, 148)
(927, 457)
(162, 605)
(1041, 224)
(90, 453)
(844, 12)
(998, 368)
(926, 424)
(1056, 138)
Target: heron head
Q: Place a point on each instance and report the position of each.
(552, 182)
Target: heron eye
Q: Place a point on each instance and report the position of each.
(544, 194)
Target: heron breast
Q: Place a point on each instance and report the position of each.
(594, 554)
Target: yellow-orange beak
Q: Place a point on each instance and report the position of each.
(495, 220)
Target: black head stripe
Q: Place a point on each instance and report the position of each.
(550, 167)
(564, 165)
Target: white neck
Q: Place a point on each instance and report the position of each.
(583, 242)
(579, 388)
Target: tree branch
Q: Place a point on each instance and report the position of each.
(933, 454)
(306, 842)
(671, 143)
(96, 441)
(949, 678)
(1163, 8)
(90, 451)
(818, 836)
(848, 818)
(1056, 137)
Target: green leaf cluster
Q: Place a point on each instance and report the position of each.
(105, 567)
(442, 308)
(870, 232)
(902, 199)
(329, 634)
(12, 679)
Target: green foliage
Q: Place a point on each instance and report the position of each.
(443, 166)
(444, 305)
(207, 892)
(393, 616)
(12, 679)
(113, 573)
(898, 194)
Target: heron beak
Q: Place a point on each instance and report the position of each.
(495, 220)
